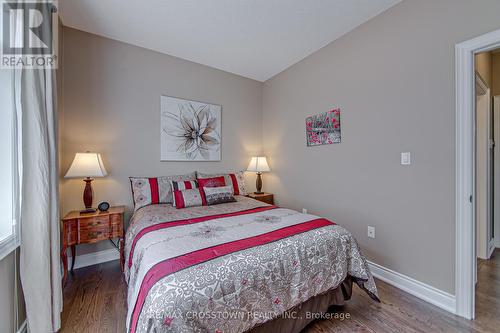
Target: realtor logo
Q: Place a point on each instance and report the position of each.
(28, 31)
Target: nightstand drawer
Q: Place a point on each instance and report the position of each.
(94, 222)
(94, 234)
(263, 197)
(116, 219)
(267, 199)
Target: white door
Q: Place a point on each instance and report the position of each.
(484, 171)
(490, 240)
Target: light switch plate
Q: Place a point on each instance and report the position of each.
(405, 158)
(371, 232)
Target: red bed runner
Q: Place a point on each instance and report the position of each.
(171, 224)
(173, 265)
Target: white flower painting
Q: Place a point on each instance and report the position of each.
(190, 131)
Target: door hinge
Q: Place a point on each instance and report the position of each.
(470, 198)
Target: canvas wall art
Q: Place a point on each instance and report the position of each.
(190, 130)
(323, 129)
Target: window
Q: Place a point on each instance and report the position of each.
(8, 226)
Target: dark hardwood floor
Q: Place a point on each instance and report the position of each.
(95, 301)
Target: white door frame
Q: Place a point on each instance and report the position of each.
(465, 257)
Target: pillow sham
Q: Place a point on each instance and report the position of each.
(218, 195)
(189, 198)
(179, 185)
(235, 180)
(156, 190)
(212, 182)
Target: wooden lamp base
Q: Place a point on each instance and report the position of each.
(258, 183)
(87, 197)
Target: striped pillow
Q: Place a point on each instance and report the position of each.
(154, 190)
(180, 185)
(235, 180)
(189, 198)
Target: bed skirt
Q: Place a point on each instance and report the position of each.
(316, 305)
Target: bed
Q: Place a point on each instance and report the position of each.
(244, 266)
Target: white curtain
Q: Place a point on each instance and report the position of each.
(40, 269)
(40, 261)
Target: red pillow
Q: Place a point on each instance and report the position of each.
(212, 182)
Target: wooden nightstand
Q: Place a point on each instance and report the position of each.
(91, 228)
(264, 197)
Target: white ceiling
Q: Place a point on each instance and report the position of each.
(253, 38)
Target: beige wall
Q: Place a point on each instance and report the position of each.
(495, 74)
(393, 78)
(111, 93)
(483, 63)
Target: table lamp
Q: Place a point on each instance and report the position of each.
(88, 166)
(258, 164)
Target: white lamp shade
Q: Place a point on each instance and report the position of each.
(258, 164)
(86, 165)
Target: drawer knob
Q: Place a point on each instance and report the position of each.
(94, 234)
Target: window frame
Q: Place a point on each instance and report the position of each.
(9, 244)
(12, 242)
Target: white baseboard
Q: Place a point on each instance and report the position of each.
(416, 288)
(94, 258)
(492, 249)
(24, 327)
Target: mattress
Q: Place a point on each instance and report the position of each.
(232, 267)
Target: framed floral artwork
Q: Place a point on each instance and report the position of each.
(323, 129)
(190, 130)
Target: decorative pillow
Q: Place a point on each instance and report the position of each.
(179, 185)
(218, 195)
(157, 190)
(189, 198)
(235, 180)
(212, 182)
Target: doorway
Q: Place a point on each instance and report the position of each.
(465, 170)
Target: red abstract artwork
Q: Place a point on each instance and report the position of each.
(323, 129)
